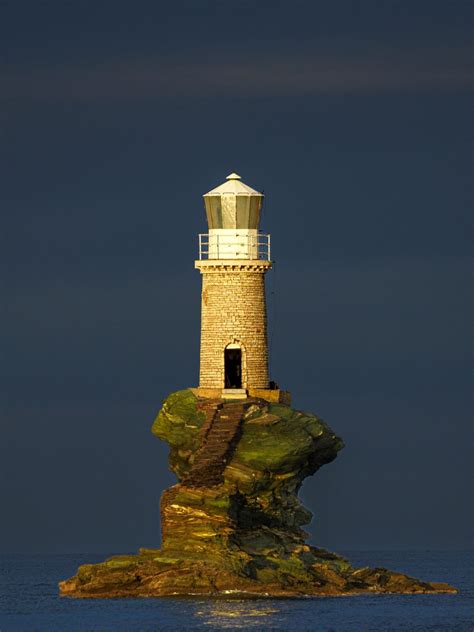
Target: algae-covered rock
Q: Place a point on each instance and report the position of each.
(178, 423)
(232, 523)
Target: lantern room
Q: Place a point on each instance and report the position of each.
(233, 205)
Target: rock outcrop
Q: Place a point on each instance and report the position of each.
(233, 523)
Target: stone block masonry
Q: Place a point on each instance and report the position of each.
(233, 311)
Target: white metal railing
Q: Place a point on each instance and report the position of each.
(237, 246)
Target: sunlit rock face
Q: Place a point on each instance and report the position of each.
(233, 523)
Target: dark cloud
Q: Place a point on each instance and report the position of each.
(276, 75)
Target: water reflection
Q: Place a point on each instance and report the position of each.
(235, 614)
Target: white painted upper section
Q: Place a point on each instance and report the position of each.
(233, 243)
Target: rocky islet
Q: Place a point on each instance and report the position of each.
(232, 525)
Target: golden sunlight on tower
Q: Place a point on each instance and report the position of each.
(233, 259)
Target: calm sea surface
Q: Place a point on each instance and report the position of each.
(29, 601)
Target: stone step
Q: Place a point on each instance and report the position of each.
(218, 460)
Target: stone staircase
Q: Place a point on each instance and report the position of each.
(219, 437)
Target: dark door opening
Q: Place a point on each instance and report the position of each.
(233, 368)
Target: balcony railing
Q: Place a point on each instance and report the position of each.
(216, 246)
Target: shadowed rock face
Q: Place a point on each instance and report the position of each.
(233, 524)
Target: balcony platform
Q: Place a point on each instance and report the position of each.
(233, 265)
(275, 395)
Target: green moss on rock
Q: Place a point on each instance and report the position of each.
(178, 423)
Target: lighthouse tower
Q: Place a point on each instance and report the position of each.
(233, 259)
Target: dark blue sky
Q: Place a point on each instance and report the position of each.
(355, 118)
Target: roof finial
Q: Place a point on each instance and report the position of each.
(233, 176)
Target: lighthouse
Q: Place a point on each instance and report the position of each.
(233, 259)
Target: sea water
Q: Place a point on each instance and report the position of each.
(29, 601)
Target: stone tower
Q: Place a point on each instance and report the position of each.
(233, 259)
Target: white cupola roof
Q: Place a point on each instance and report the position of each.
(233, 186)
(233, 204)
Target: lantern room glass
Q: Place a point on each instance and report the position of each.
(233, 211)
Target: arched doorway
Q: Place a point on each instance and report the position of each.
(233, 366)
